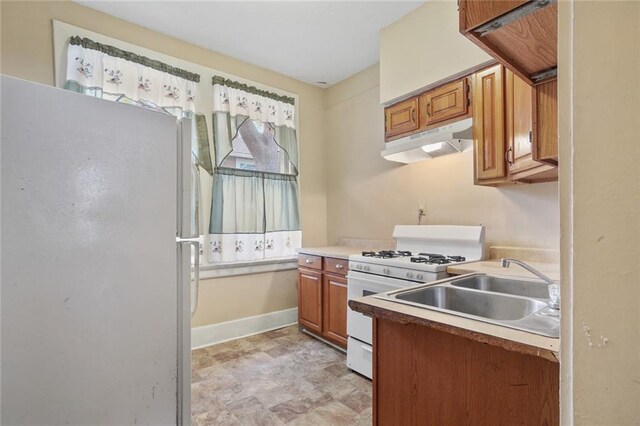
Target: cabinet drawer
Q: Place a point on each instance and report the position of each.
(310, 261)
(336, 266)
(444, 103)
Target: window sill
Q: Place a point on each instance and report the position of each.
(247, 268)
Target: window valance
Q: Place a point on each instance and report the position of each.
(114, 73)
(242, 100)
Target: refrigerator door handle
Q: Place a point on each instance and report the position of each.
(196, 171)
(196, 270)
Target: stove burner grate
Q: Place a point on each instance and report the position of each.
(386, 254)
(436, 259)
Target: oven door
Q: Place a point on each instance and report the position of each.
(361, 284)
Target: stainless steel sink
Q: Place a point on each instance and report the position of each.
(491, 283)
(487, 305)
(508, 302)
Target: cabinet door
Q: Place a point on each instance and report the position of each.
(310, 299)
(519, 96)
(488, 124)
(335, 309)
(401, 118)
(545, 122)
(444, 103)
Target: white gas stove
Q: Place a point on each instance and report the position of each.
(423, 253)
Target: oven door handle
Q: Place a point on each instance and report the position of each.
(379, 280)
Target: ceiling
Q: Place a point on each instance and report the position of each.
(312, 41)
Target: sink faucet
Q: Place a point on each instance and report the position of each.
(554, 288)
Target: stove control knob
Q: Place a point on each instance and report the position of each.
(386, 271)
(366, 268)
(359, 266)
(409, 274)
(419, 276)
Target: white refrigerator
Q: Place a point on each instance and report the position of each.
(96, 249)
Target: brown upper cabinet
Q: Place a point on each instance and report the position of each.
(401, 118)
(522, 141)
(504, 123)
(441, 105)
(545, 122)
(488, 126)
(444, 103)
(520, 34)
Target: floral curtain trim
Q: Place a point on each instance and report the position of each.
(239, 99)
(117, 77)
(252, 89)
(248, 247)
(132, 57)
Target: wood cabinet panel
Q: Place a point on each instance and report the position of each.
(401, 118)
(477, 12)
(444, 103)
(310, 299)
(425, 376)
(521, 139)
(526, 42)
(545, 122)
(488, 124)
(336, 266)
(335, 309)
(310, 261)
(322, 297)
(519, 120)
(531, 41)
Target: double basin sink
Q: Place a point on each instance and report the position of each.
(515, 303)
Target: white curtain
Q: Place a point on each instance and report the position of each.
(254, 213)
(111, 73)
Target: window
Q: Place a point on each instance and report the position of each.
(255, 205)
(254, 148)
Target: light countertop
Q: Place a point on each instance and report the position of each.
(337, 252)
(552, 270)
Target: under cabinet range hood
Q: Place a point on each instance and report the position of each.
(449, 139)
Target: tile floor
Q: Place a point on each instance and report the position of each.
(276, 378)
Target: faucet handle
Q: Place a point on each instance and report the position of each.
(554, 296)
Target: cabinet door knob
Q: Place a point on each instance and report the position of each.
(339, 266)
(309, 261)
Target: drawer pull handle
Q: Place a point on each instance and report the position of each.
(339, 266)
(309, 261)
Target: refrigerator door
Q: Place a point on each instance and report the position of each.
(188, 248)
(89, 294)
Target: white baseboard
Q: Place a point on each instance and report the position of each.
(212, 334)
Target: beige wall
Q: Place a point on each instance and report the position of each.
(423, 47)
(599, 101)
(368, 195)
(218, 295)
(27, 52)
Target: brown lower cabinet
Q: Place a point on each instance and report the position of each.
(322, 297)
(424, 376)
